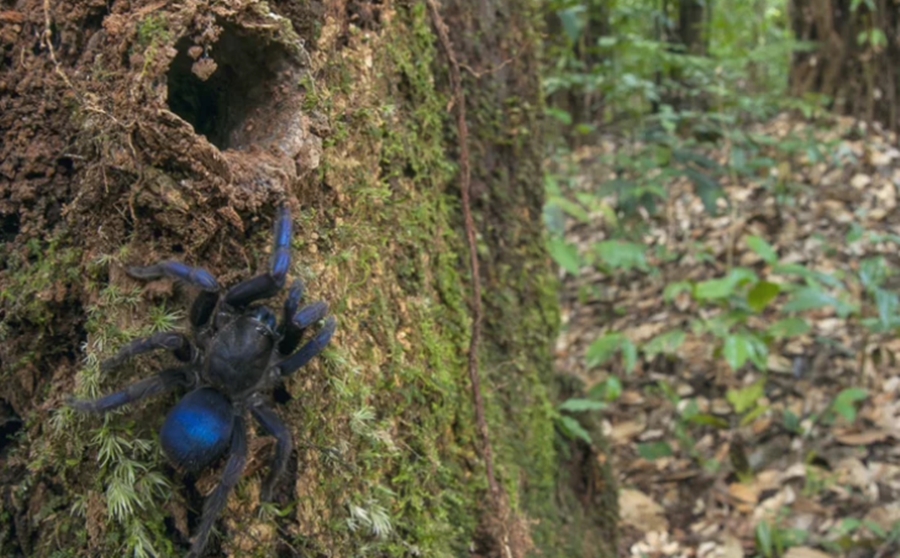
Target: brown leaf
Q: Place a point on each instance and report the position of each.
(804, 552)
(640, 511)
(625, 431)
(745, 495)
(849, 438)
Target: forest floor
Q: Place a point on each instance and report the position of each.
(800, 460)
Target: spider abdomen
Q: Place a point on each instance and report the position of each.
(197, 431)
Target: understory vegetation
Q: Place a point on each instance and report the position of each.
(728, 250)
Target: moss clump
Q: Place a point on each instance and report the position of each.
(153, 30)
(36, 278)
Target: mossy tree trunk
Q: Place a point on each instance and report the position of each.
(137, 131)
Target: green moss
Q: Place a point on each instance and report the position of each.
(402, 304)
(33, 280)
(153, 30)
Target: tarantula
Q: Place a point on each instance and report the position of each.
(238, 353)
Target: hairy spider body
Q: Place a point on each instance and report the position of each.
(238, 353)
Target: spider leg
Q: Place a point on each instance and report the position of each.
(195, 276)
(270, 421)
(312, 347)
(160, 383)
(204, 304)
(178, 343)
(299, 321)
(292, 302)
(268, 283)
(216, 501)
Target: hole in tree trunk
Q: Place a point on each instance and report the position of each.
(216, 89)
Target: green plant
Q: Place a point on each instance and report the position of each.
(569, 425)
(772, 539)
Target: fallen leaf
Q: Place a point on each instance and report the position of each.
(746, 495)
(860, 181)
(804, 552)
(625, 431)
(640, 511)
(861, 438)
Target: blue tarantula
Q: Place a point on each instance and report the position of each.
(238, 353)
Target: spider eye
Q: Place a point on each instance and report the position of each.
(266, 318)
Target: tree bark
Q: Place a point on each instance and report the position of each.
(854, 59)
(145, 130)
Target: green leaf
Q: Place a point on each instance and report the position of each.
(629, 355)
(602, 349)
(872, 272)
(690, 156)
(746, 397)
(788, 327)
(613, 388)
(886, 302)
(848, 525)
(581, 405)
(844, 403)
(654, 450)
(742, 275)
(672, 290)
(665, 343)
(760, 352)
(811, 275)
(854, 233)
(713, 289)
(607, 41)
(560, 115)
(753, 415)
(725, 286)
(762, 294)
(689, 409)
(573, 429)
(572, 21)
(708, 189)
(554, 220)
(570, 207)
(811, 298)
(764, 539)
(875, 528)
(763, 248)
(791, 421)
(619, 254)
(737, 349)
(565, 254)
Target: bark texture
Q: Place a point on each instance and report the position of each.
(144, 130)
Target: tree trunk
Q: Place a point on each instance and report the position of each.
(854, 62)
(691, 19)
(692, 37)
(145, 130)
(584, 104)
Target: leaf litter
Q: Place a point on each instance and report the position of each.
(797, 459)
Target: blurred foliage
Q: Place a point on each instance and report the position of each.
(649, 111)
